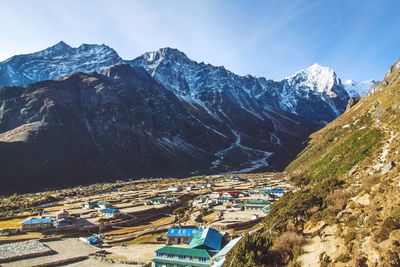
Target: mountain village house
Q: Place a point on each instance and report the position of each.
(256, 204)
(90, 205)
(175, 188)
(276, 192)
(205, 243)
(109, 213)
(62, 214)
(37, 223)
(161, 200)
(177, 236)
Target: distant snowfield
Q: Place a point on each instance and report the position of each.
(358, 89)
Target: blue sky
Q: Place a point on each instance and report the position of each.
(274, 39)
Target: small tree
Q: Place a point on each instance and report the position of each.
(324, 259)
(288, 245)
(179, 211)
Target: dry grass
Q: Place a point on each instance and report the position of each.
(159, 222)
(116, 257)
(146, 239)
(29, 235)
(13, 223)
(57, 208)
(210, 217)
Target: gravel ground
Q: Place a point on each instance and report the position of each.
(139, 253)
(97, 263)
(23, 248)
(65, 248)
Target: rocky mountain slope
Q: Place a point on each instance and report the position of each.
(220, 122)
(93, 127)
(55, 62)
(315, 88)
(346, 209)
(266, 119)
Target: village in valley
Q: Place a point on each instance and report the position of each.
(153, 222)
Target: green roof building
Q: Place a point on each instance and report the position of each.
(173, 256)
(203, 246)
(90, 205)
(256, 204)
(224, 199)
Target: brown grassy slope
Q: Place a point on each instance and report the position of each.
(347, 203)
(362, 148)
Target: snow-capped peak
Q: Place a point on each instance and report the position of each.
(61, 44)
(163, 53)
(56, 61)
(317, 77)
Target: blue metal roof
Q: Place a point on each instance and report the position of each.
(38, 220)
(182, 231)
(276, 191)
(109, 210)
(93, 240)
(208, 238)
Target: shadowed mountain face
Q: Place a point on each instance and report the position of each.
(161, 114)
(87, 128)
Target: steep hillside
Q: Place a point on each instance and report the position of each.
(346, 210)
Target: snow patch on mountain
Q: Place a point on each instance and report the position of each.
(55, 62)
(358, 89)
(316, 78)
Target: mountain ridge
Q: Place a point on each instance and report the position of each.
(244, 123)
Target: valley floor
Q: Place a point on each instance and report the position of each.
(146, 210)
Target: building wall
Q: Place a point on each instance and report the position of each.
(36, 226)
(178, 240)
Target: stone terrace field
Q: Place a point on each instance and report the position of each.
(23, 249)
(66, 249)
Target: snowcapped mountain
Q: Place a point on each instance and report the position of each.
(315, 78)
(299, 94)
(159, 114)
(283, 112)
(358, 89)
(55, 62)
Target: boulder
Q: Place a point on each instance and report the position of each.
(388, 167)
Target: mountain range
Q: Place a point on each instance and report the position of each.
(95, 116)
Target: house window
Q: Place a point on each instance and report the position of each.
(202, 259)
(182, 257)
(170, 255)
(159, 254)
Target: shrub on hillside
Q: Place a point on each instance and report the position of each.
(349, 236)
(288, 245)
(345, 155)
(252, 250)
(388, 225)
(324, 259)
